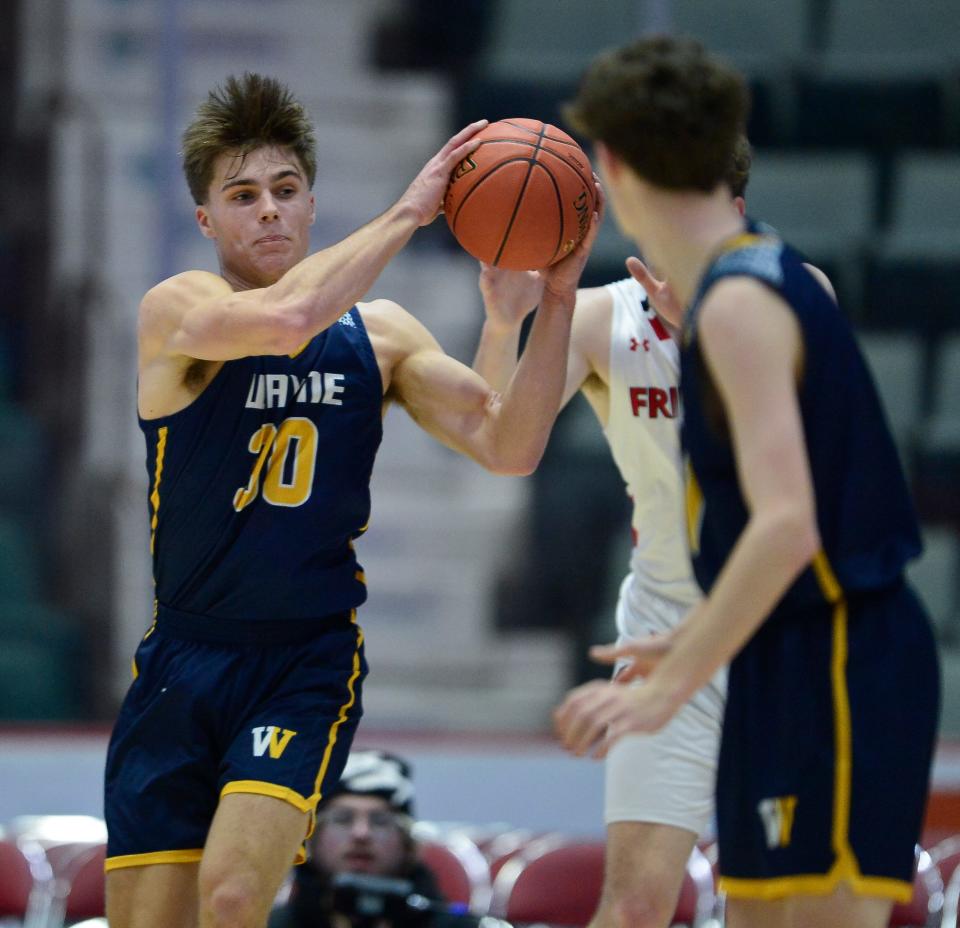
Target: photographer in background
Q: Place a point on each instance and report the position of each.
(364, 827)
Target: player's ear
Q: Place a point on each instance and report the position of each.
(313, 209)
(203, 221)
(609, 164)
(741, 205)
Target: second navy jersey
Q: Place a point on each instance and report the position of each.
(867, 525)
(259, 486)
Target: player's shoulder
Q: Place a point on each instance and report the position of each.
(184, 283)
(743, 312)
(168, 300)
(393, 328)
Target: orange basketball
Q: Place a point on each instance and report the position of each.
(524, 198)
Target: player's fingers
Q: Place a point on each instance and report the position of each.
(464, 143)
(601, 198)
(608, 653)
(584, 717)
(640, 273)
(467, 132)
(568, 716)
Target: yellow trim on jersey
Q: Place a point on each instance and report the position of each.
(335, 727)
(157, 474)
(150, 631)
(191, 856)
(693, 496)
(816, 885)
(361, 576)
(742, 240)
(263, 788)
(301, 348)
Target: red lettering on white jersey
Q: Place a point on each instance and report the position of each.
(657, 401)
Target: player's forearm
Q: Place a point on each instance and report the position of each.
(769, 555)
(322, 287)
(496, 357)
(530, 404)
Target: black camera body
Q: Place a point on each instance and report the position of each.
(368, 900)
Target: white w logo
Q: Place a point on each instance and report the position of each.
(777, 816)
(272, 739)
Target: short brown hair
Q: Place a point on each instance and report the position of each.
(243, 115)
(738, 173)
(667, 107)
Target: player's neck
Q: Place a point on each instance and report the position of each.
(686, 234)
(240, 281)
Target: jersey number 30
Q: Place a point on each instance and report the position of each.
(288, 482)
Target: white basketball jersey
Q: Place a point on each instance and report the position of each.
(643, 430)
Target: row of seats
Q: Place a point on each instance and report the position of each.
(889, 239)
(828, 72)
(51, 872)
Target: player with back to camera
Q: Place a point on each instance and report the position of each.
(261, 393)
(799, 522)
(624, 357)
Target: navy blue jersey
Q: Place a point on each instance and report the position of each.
(259, 485)
(865, 517)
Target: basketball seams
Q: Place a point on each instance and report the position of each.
(510, 220)
(559, 196)
(564, 141)
(519, 200)
(490, 171)
(572, 167)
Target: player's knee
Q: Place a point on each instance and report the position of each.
(229, 901)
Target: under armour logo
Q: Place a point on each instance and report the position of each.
(634, 344)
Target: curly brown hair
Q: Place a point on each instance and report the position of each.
(670, 109)
(245, 114)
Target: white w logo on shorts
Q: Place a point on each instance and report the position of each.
(777, 816)
(272, 739)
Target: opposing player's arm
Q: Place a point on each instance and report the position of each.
(505, 433)
(508, 298)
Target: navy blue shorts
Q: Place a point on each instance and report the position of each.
(828, 737)
(203, 719)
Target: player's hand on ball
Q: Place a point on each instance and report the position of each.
(425, 193)
(561, 279)
(509, 296)
(661, 296)
(638, 656)
(594, 716)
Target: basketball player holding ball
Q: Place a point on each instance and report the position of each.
(261, 392)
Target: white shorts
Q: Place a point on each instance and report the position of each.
(667, 777)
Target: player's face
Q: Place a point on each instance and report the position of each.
(259, 211)
(359, 834)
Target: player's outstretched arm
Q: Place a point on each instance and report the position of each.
(507, 432)
(193, 315)
(508, 298)
(751, 344)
